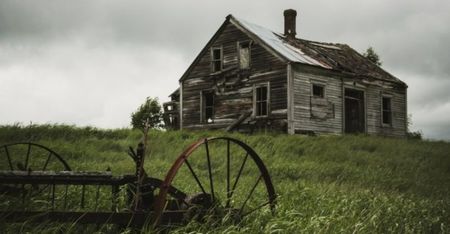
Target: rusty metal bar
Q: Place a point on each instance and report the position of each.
(195, 176)
(249, 195)
(47, 161)
(211, 184)
(72, 178)
(228, 172)
(53, 196)
(136, 219)
(83, 191)
(97, 195)
(237, 179)
(65, 196)
(28, 157)
(8, 156)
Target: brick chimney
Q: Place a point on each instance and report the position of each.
(289, 23)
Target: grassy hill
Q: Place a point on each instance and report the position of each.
(325, 184)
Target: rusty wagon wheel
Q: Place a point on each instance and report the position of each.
(27, 157)
(222, 177)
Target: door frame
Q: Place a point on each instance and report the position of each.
(343, 107)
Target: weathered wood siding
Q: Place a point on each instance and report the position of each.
(327, 115)
(374, 94)
(318, 115)
(233, 87)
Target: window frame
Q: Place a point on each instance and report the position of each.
(212, 63)
(389, 97)
(239, 43)
(255, 101)
(323, 86)
(203, 106)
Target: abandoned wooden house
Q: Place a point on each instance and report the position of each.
(248, 77)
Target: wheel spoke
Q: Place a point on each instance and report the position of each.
(9, 158)
(47, 161)
(228, 172)
(28, 156)
(250, 194)
(195, 176)
(237, 179)
(209, 170)
(257, 208)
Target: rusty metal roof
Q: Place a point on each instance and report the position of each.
(331, 56)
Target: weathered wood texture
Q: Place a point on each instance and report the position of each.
(374, 95)
(318, 115)
(233, 87)
(326, 115)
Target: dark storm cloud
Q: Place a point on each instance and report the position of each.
(142, 43)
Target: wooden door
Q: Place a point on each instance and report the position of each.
(354, 111)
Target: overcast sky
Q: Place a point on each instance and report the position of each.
(94, 62)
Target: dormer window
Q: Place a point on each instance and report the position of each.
(216, 59)
(244, 54)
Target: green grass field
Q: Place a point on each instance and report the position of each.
(326, 184)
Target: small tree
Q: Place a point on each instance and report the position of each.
(149, 111)
(372, 56)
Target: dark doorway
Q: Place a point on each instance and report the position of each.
(354, 111)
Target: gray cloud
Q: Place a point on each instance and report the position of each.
(93, 62)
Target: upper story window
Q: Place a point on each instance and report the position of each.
(216, 59)
(261, 101)
(318, 91)
(244, 55)
(387, 110)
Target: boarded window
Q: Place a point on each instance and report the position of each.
(387, 111)
(208, 106)
(318, 91)
(261, 101)
(244, 55)
(216, 59)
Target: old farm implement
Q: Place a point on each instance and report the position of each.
(214, 178)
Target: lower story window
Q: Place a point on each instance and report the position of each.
(387, 110)
(261, 101)
(208, 106)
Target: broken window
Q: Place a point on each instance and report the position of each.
(318, 91)
(244, 55)
(261, 101)
(387, 110)
(208, 106)
(216, 59)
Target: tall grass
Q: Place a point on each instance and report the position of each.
(326, 184)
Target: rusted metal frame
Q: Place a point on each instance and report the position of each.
(65, 196)
(83, 191)
(53, 196)
(228, 173)
(160, 201)
(97, 196)
(114, 197)
(135, 219)
(211, 183)
(237, 179)
(73, 179)
(249, 195)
